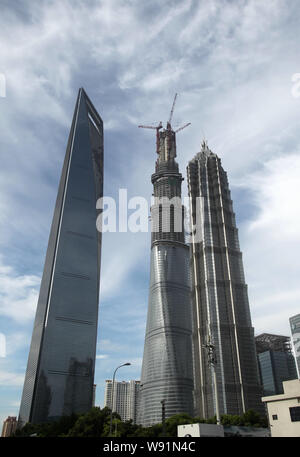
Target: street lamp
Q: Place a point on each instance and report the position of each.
(112, 395)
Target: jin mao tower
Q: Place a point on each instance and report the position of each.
(221, 311)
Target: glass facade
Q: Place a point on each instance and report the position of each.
(295, 329)
(276, 362)
(276, 367)
(167, 362)
(60, 371)
(219, 294)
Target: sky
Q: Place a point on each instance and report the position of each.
(235, 66)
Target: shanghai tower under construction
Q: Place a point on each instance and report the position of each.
(167, 370)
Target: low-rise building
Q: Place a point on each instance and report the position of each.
(284, 410)
(9, 426)
(188, 430)
(209, 430)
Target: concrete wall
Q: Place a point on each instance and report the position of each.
(283, 426)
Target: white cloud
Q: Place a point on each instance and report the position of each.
(16, 404)
(271, 244)
(278, 187)
(12, 379)
(16, 341)
(18, 294)
(230, 62)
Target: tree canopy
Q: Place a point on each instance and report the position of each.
(96, 423)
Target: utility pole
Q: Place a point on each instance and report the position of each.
(212, 361)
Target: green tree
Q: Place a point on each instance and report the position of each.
(252, 418)
(28, 429)
(120, 428)
(199, 420)
(211, 420)
(249, 419)
(60, 427)
(178, 419)
(51, 429)
(96, 423)
(91, 423)
(229, 419)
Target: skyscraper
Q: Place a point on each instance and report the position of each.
(295, 329)
(276, 362)
(60, 371)
(9, 426)
(167, 362)
(126, 397)
(220, 298)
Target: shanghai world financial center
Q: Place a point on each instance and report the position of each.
(60, 371)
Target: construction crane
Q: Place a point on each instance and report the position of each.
(157, 128)
(172, 111)
(183, 127)
(168, 128)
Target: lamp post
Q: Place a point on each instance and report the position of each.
(112, 395)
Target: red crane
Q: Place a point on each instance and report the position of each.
(169, 128)
(157, 128)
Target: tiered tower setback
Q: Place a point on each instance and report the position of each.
(220, 297)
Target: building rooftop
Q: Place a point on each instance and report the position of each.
(291, 390)
(268, 341)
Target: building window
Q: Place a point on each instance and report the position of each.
(275, 417)
(295, 413)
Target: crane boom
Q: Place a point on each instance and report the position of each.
(183, 127)
(159, 126)
(172, 109)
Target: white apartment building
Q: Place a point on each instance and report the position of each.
(125, 401)
(284, 410)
